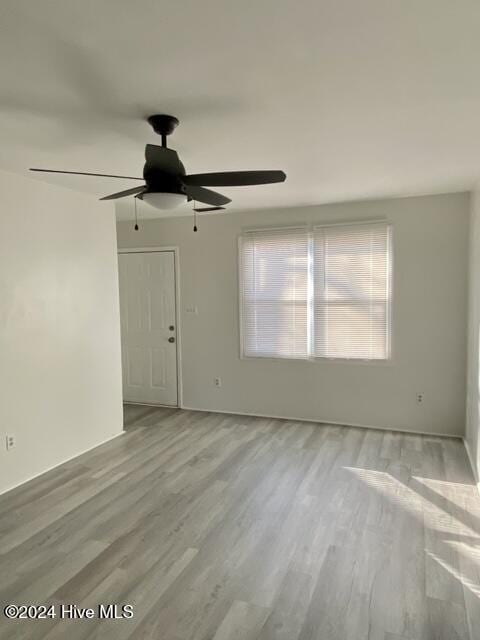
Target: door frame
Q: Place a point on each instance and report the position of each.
(178, 351)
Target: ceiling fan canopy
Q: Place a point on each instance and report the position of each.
(167, 185)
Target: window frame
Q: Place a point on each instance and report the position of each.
(311, 358)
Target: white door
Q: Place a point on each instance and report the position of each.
(148, 323)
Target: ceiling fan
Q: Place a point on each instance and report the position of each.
(166, 183)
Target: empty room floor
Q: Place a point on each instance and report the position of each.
(225, 527)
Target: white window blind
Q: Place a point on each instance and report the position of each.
(274, 293)
(351, 307)
(324, 294)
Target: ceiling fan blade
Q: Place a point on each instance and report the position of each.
(205, 209)
(206, 196)
(82, 173)
(127, 192)
(163, 159)
(234, 178)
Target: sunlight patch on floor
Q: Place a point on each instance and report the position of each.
(474, 586)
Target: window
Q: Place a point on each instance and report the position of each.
(351, 291)
(274, 292)
(324, 294)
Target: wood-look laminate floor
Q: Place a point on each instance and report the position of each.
(219, 527)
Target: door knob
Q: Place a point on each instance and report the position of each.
(172, 339)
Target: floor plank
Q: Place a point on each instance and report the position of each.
(228, 527)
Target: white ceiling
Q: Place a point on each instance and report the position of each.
(352, 99)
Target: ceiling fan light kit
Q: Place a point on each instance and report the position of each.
(167, 185)
(164, 200)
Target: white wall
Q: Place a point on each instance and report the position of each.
(60, 375)
(429, 341)
(473, 395)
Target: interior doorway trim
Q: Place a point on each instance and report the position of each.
(176, 254)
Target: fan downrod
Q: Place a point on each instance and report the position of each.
(164, 125)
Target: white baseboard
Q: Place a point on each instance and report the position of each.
(472, 464)
(59, 464)
(151, 404)
(320, 421)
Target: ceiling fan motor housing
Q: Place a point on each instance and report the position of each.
(161, 181)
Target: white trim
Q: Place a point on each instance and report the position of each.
(156, 405)
(176, 253)
(176, 260)
(391, 291)
(472, 465)
(347, 223)
(303, 228)
(377, 362)
(146, 249)
(412, 432)
(240, 295)
(59, 464)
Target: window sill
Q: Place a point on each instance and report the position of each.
(345, 361)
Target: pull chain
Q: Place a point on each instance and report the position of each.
(195, 216)
(136, 221)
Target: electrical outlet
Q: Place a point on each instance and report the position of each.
(10, 442)
(217, 382)
(192, 309)
(419, 397)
